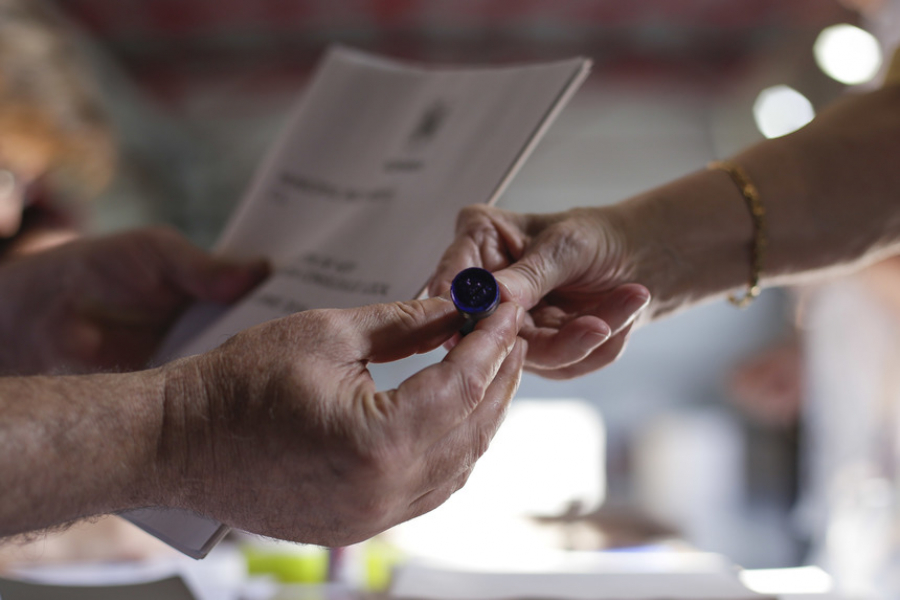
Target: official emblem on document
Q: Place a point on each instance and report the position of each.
(429, 123)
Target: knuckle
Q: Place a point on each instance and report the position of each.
(478, 222)
(559, 251)
(473, 214)
(378, 407)
(571, 239)
(318, 326)
(411, 315)
(317, 321)
(471, 390)
(533, 270)
(319, 330)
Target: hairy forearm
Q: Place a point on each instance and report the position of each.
(829, 194)
(72, 447)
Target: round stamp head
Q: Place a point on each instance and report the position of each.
(475, 292)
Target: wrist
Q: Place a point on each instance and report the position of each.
(105, 438)
(183, 441)
(143, 476)
(687, 241)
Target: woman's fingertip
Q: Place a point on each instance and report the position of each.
(452, 342)
(509, 311)
(520, 316)
(636, 305)
(644, 299)
(522, 347)
(594, 337)
(638, 299)
(506, 292)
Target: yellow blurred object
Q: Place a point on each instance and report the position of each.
(288, 563)
(380, 558)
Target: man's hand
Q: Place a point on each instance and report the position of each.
(569, 270)
(280, 431)
(106, 303)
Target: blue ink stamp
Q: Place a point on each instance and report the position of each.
(476, 295)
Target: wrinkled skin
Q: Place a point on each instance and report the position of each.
(569, 270)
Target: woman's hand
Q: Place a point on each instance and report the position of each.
(571, 271)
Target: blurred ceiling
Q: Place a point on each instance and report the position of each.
(172, 43)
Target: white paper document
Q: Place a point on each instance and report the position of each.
(357, 201)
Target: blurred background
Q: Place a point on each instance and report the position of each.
(766, 434)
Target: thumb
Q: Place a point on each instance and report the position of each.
(202, 275)
(399, 329)
(222, 280)
(545, 265)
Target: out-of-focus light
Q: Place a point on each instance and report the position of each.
(847, 53)
(780, 110)
(548, 457)
(795, 580)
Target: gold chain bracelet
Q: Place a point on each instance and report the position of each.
(758, 214)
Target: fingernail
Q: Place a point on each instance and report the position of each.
(637, 302)
(520, 316)
(593, 338)
(522, 343)
(635, 305)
